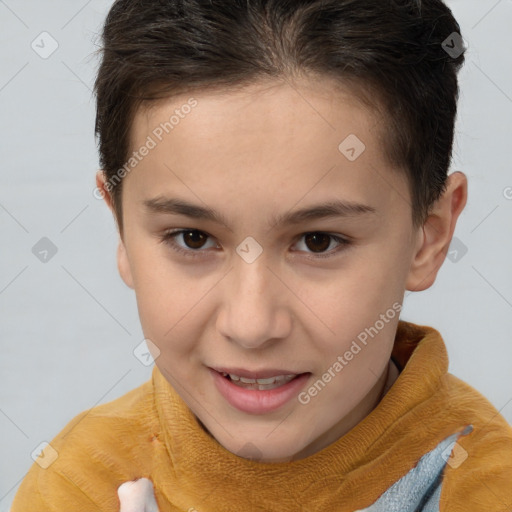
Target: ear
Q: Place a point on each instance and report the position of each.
(436, 234)
(102, 188)
(123, 264)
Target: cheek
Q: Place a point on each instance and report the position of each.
(359, 291)
(352, 305)
(380, 272)
(163, 295)
(174, 307)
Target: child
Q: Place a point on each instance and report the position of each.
(234, 135)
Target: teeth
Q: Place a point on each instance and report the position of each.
(261, 384)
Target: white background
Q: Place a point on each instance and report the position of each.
(68, 327)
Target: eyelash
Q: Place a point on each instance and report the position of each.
(169, 236)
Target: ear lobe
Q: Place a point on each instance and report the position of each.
(123, 265)
(427, 261)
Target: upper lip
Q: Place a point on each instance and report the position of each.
(256, 374)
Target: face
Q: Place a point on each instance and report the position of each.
(238, 264)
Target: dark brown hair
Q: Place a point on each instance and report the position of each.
(391, 52)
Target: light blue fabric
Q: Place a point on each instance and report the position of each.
(420, 489)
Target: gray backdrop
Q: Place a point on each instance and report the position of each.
(69, 325)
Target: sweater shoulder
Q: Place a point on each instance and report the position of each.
(109, 425)
(479, 470)
(470, 404)
(92, 455)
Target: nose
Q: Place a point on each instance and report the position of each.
(254, 308)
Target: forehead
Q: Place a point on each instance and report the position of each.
(268, 134)
(313, 100)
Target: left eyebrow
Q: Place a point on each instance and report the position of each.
(330, 209)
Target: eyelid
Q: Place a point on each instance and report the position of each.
(168, 238)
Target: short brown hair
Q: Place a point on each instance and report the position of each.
(392, 50)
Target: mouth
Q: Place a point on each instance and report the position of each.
(258, 395)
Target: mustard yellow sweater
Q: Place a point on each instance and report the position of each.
(433, 443)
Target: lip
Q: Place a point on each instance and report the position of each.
(254, 401)
(257, 374)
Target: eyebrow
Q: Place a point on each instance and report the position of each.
(330, 209)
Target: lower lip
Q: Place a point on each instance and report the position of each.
(254, 401)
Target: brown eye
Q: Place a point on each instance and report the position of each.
(317, 245)
(317, 242)
(189, 242)
(194, 239)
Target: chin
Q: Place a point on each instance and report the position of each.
(266, 444)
